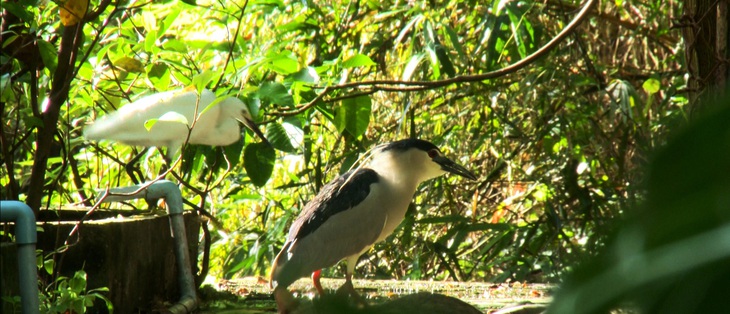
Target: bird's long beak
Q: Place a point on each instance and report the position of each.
(449, 165)
(248, 122)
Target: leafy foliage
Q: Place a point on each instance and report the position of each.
(670, 254)
(70, 295)
(67, 295)
(558, 146)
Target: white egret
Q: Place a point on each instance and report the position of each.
(215, 126)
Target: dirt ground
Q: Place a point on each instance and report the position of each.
(252, 295)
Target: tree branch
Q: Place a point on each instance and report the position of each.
(411, 86)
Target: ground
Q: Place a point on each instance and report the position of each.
(252, 295)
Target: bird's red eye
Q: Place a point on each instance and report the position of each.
(433, 153)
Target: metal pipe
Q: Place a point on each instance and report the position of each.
(25, 238)
(173, 199)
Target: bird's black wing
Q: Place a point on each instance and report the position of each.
(336, 196)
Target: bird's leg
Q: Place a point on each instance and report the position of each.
(348, 288)
(137, 177)
(315, 281)
(285, 302)
(129, 167)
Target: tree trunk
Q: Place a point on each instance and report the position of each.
(705, 33)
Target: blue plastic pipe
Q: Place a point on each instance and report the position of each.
(173, 199)
(25, 237)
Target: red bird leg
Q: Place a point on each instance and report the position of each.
(315, 280)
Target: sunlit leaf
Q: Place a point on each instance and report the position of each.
(72, 11)
(129, 64)
(305, 75)
(358, 60)
(435, 65)
(411, 67)
(174, 45)
(48, 266)
(165, 24)
(283, 63)
(78, 282)
(170, 116)
(159, 74)
(651, 86)
(454, 38)
(353, 115)
(279, 137)
(201, 80)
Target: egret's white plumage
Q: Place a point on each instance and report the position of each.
(216, 126)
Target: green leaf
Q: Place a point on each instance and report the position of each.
(150, 42)
(444, 60)
(201, 80)
(435, 66)
(275, 93)
(129, 64)
(20, 10)
(258, 160)
(167, 22)
(280, 137)
(454, 38)
(48, 266)
(358, 60)
(353, 115)
(170, 116)
(428, 33)
(78, 282)
(159, 75)
(651, 86)
(174, 45)
(32, 121)
(347, 163)
(411, 67)
(233, 152)
(283, 63)
(49, 55)
(305, 75)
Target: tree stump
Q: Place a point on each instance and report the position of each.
(132, 256)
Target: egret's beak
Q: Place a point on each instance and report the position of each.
(449, 165)
(248, 122)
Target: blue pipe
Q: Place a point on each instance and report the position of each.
(26, 238)
(173, 199)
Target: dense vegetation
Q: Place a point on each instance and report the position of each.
(559, 144)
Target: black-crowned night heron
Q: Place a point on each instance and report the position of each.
(216, 126)
(355, 211)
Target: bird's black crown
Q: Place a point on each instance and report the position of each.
(403, 145)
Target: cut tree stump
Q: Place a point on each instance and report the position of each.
(132, 256)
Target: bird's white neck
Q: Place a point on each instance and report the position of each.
(399, 178)
(405, 169)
